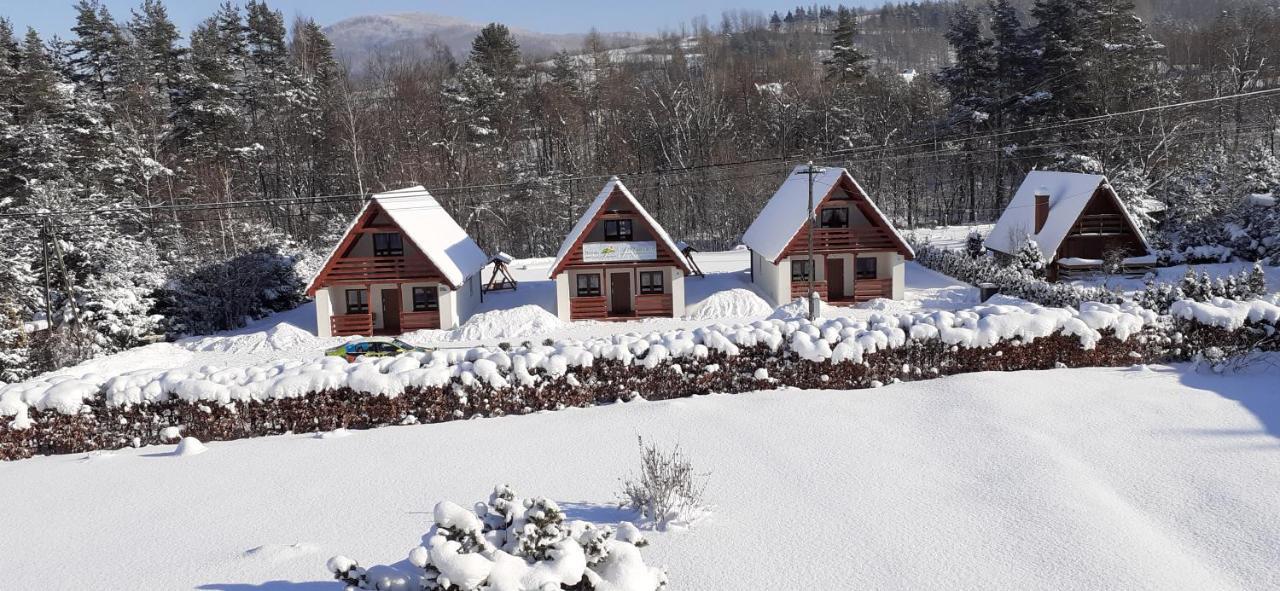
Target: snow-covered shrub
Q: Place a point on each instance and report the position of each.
(973, 244)
(1029, 259)
(1011, 279)
(225, 295)
(512, 544)
(1200, 287)
(667, 489)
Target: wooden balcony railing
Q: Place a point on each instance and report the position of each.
(419, 320)
(588, 308)
(1099, 225)
(800, 289)
(351, 324)
(649, 305)
(371, 269)
(868, 289)
(845, 240)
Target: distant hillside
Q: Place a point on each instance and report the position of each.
(357, 39)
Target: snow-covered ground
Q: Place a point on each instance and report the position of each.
(724, 295)
(1145, 478)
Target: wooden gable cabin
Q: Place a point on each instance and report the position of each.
(618, 264)
(404, 264)
(1076, 219)
(858, 254)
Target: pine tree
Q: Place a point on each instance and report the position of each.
(1058, 65)
(156, 39)
(847, 63)
(496, 52)
(98, 50)
(1117, 47)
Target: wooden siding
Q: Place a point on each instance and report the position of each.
(573, 259)
(1101, 227)
(588, 308)
(597, 307)
(345, 325)
(648, 305)
(369, 270)
(864, 289)
(876, 237)
(419, 320)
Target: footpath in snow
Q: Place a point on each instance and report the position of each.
(1145, 478)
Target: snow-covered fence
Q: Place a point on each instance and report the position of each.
(63, 414)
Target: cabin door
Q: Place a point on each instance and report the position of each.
(620, 294)
(835, 279)
(391, 311)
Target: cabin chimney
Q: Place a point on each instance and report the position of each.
(1042, 208)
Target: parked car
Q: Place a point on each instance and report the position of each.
(372, 348)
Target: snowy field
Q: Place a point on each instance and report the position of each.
(725, 295)
(1145, 478)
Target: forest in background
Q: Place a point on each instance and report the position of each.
(155, 182)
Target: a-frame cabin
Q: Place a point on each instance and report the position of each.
(403, 264)
(1076, 219)
(618, 264)
(858, 254)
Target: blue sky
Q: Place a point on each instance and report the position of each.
(566, 16)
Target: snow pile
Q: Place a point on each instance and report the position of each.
(733, 303)
(510, 323)
(798, 308)
(512, 544)
(189, 446)
(281, 337)
(1228, 314)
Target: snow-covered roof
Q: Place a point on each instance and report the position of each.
(1069, 193)
(587, 216)
(428, 226)
(786, 212)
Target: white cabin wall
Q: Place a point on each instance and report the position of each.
(675, 278)
(324, 312)
(562, 296)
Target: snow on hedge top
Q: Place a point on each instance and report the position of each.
(829, 340)
(429, 227)
(1069, 193)
(786, 211)
(1228, 314)
(584, 223)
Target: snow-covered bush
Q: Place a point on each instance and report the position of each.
(1200, 287)
(225, 295)
(512, 544)
(973, 244)
(667, 489)
(1011, 279)
(1029, 259)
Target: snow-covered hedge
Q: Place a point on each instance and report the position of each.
(1021, 279)
(70, 413)
(512, 544)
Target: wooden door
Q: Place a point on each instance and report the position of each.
(835, 279)
(620, 293)
(391, 311)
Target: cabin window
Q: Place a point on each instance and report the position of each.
(866, 268)
(426, 299)
(588, 285)
(388, 245)
(836, 217)
(800, 270)
(651, 282)
(357, 301)
(617, 230)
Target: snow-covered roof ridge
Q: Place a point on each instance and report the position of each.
(587, 216)
(787, 210)
(428, 226)
(1069, 194)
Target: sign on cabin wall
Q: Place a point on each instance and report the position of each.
(612, 252)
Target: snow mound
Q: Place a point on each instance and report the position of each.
(798, 308)
(190, 446)
(281, 337)
(734, 303)
(334, 434)
(511, 323)
(170, 433)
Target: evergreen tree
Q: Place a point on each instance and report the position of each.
(98, 50)
(496, 53)
(1116, 47)
(156, 39)
(1013, 53)
(1057, 63)
(847, 63)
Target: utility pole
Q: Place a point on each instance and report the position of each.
(814, 298)
(48, 290)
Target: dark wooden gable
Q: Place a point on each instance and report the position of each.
(877, 237)
(344, 269)
(618, 207)
(1102, 225)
